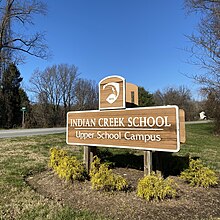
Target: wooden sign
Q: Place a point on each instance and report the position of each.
(112, 93)
(150, 128)
(182, 126)
(132, 93)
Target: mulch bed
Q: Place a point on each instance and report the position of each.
(191, 202)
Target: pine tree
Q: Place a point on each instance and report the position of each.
(10, 99)
(144, 98)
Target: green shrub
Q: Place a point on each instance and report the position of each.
(103, 178)
(67, 167)
(154, 186)
(199, 175)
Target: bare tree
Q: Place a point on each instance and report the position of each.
(177, 96)
(206, 47)
(14, 44)
(68, 75)
(158, 98)
(86, 95)
(55, 88)
(206, 41)
(212, 106)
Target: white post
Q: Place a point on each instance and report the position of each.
(23, 120)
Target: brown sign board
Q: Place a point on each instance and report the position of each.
(131, 93)
(148, 128)
(112, 93)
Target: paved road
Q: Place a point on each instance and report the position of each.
(198, 122)
(30, 132)
(44, 131)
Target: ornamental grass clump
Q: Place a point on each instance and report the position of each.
(103, 178)
(155, 187)
(67, 167)
(199, 175)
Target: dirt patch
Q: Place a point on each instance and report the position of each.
(191, 203)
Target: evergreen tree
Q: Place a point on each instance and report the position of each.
(1, 107)
(144, 98)
(10, 98)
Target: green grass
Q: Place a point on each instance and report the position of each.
(201, 142)
(22, 156)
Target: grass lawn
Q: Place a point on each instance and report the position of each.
(200, 142)
(22, 156)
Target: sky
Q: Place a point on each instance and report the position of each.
(143, 41)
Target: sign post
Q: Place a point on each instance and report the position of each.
(147, 162)
(23, 109)
(89, 153)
